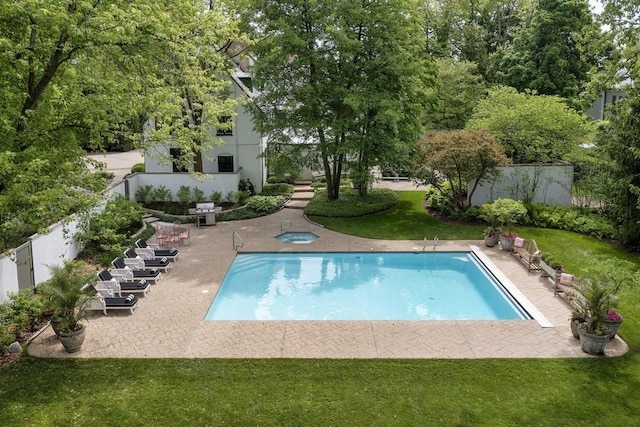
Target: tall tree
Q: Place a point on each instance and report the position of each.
(620, 138)
(531, 128)
(472, 30)
(550, 55)
(455, 95)
(77, 72)
(348, 76)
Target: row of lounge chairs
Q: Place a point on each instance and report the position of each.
(130, 276)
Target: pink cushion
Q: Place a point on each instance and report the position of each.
(566, 279)
(518, 242)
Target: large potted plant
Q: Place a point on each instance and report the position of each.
(493, 231)
(64, 296)
(504, 212)
(593, 299)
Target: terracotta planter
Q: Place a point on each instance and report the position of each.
(592, 344)
(72, 340)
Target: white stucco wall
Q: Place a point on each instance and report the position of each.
(549, 184)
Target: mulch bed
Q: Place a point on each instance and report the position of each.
(7, 358)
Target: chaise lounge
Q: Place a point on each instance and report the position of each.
(105, 299)
(132, 258)
(137, 270)
(171, 253)
(107, 281)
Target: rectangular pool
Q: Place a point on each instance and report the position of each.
(362, 286)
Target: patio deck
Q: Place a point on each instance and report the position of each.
(169, 321)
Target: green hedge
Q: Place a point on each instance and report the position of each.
(351, 204)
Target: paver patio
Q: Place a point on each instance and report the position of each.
(169, 321)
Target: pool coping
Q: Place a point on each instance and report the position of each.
(169, 321)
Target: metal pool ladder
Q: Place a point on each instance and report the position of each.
(237, 245)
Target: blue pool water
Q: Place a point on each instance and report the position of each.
(361, 286)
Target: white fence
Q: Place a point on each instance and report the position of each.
(41, 251)
(548, 184)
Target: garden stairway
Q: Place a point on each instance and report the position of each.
(302, 193)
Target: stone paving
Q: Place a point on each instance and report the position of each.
(169, 321)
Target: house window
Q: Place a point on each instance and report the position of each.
(176, 153)
(227, 123)
(247, 82)
(225, 163)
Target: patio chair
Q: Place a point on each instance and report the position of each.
(108, 281)
(121, 268)
(527, 252)
(105, 299)
(131, 257)
(171, 253)
(185, 236)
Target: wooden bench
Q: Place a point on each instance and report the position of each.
(528, 254)
(567, 285)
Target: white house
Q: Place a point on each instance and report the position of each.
(239, 158)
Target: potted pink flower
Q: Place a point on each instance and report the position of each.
(612, 320)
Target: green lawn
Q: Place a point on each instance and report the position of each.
(490, 392)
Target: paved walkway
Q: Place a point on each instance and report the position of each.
(169, 321)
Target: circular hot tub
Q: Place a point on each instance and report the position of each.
(297, 237)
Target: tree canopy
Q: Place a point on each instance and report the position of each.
(79, 73)
(457, 158)
(531, 128)
(346, 76)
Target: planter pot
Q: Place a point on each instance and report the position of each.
(613, 328)
(592, 344)
(491, 240)
(546, 270)
(55, 325)
(506, 243)
(72, 340)
(574, 327)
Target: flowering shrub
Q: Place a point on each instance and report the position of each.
(613, 316)
(510, 235)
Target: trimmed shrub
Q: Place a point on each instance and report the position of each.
(351, 204)
(574, 219)
(265, 204)
(138, 168)
(184, 194)
(277, 189)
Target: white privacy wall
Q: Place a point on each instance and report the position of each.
(549, 184)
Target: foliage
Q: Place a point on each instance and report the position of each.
(198, 195)
(458, 89)
(138, 168)
(551, 54)
(575, 219)
(278, 179)
(184, 194)
(86, 74)
(106, 231)
(531, 128)
(237, 197)
(504, 212)
(216, 197)
(457, 158)
(160, 194)
(23, 310)
(277, 189)
(143, 193)
(346, 76)
(473, 31)
(620, 140)
(64, 295)
(351, 204)
(265, 204)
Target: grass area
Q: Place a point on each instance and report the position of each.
(487, 392)
(320, 392)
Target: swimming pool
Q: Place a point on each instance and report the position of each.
(362, 286)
